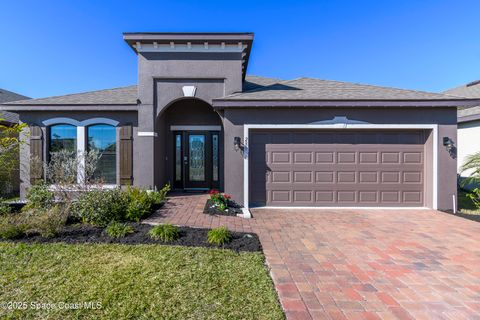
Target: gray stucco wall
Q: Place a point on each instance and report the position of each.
(161, 77)
(444, 117)
(37, 118)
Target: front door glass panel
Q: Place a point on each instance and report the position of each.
(178, 157)
(196, 167)
(215, 157)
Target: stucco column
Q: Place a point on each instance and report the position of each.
(144, 149)
(24, 162)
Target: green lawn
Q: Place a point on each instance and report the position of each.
(136, 282)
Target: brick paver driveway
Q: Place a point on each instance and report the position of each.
(360, 264)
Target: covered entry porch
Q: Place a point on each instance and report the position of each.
(189, 146)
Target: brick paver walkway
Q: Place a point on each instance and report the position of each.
(359, 264)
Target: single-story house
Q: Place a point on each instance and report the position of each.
(196, 120)
(11, 188)
(468, 123)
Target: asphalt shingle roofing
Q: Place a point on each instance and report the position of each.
(469, 90)
(317, 89)
(7, 96)
(123, 95)
(257, 88)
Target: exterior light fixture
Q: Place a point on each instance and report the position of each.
(448, 143)
(237, 143)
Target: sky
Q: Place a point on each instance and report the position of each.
(58, 47)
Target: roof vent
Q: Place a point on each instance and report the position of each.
(473, 83)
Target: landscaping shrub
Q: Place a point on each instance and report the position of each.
(161, 195)
(474, 196)
(12, 226)
(46, 222)
(142, 202)
(118, 230)
(100, 207)
(219, 236)
(219, 199)
(39, 197)
(4, 208)
(164, 232)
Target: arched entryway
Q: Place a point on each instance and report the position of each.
(191, 136)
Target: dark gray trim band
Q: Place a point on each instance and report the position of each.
(221, 104)
(172, 36)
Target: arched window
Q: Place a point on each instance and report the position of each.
(63, 137)
(102, 137)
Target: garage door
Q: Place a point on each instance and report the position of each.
(337, 168)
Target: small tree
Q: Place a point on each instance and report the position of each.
(9, 153)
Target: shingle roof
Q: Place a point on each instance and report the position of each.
(123, 95)
(468, 112)
(256, 88)
(317, 89)
(470, 90)
(7, 96)
(257, 82)
(116, 96)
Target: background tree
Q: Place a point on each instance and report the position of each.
(9, 154)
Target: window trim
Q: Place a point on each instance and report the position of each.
(84, 123)
(82, 140)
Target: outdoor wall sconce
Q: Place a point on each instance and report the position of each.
(450, 146)
(448, 143)
(237, 143)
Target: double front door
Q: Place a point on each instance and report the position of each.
(196, 159)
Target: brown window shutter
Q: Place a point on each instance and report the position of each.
(36, 154)
(126, 155)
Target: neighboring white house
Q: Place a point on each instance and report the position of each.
(468, 124)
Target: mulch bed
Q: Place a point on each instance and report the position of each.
(190, 237)
(473, 217)
(233, 209)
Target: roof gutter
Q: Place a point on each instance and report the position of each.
(223, 104)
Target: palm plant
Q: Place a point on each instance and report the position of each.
(472, 163)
